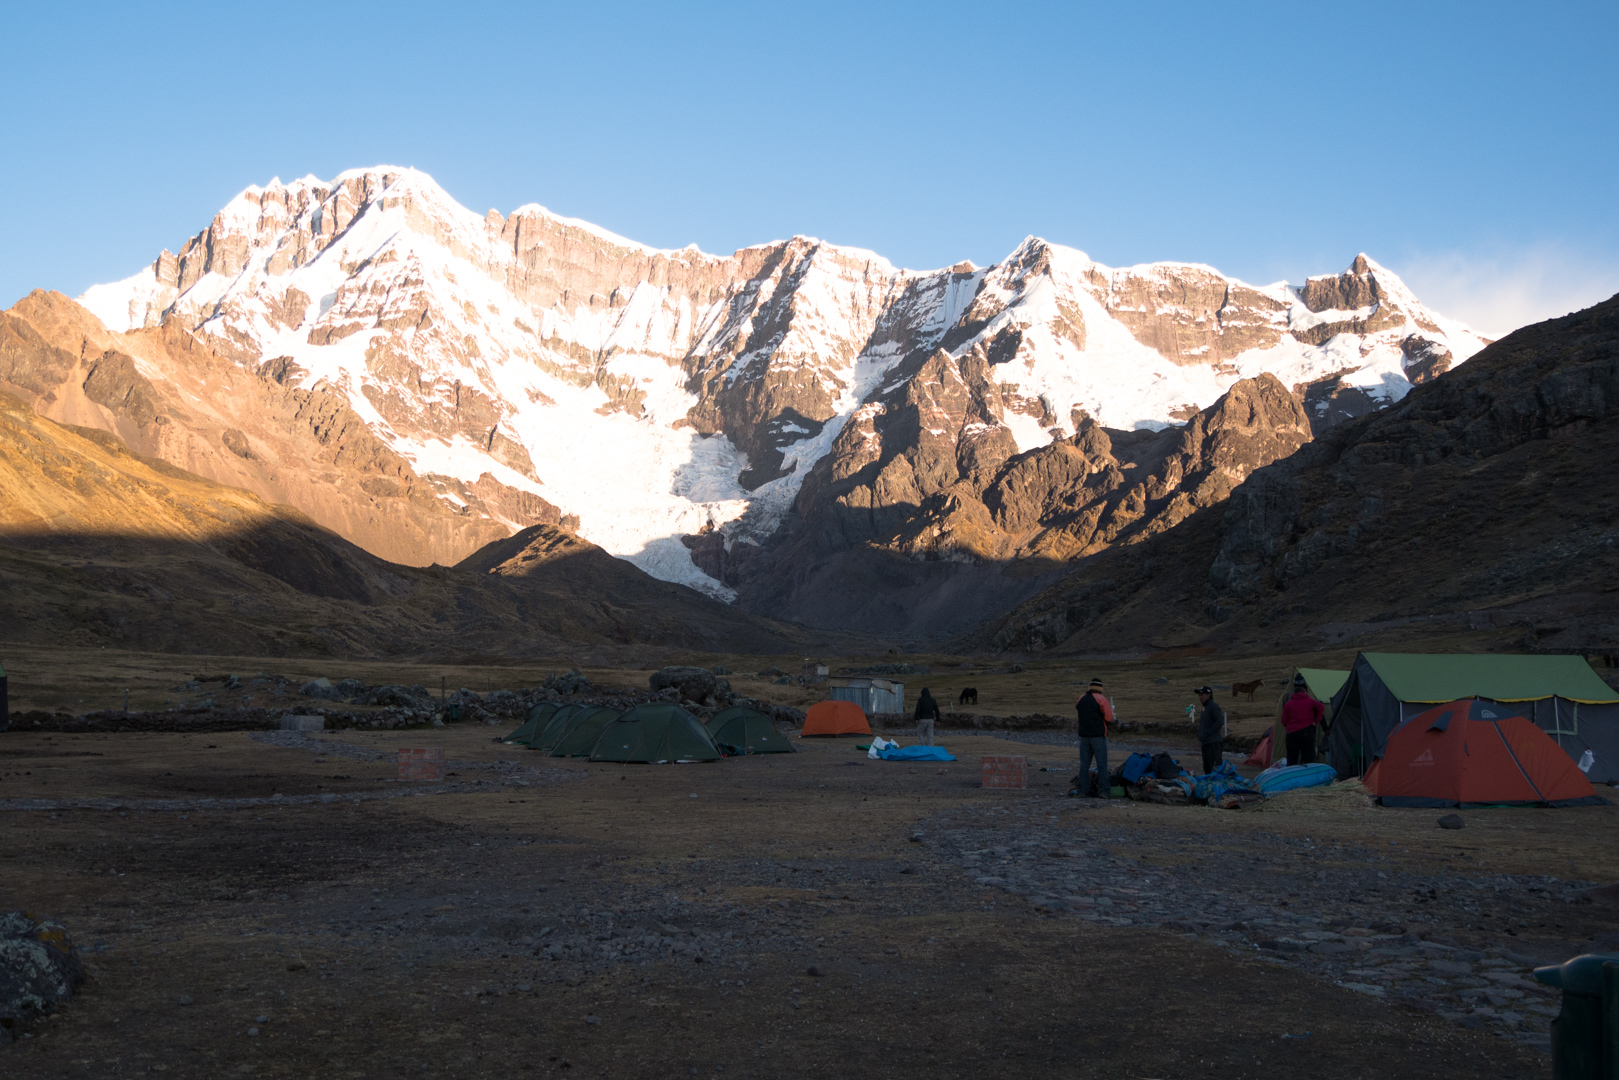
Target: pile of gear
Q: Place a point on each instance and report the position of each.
(1159, 778)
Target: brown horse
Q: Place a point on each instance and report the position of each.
(1246, 688)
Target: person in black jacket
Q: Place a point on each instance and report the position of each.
(927, 711)
(1095, 714)
(1210, 729)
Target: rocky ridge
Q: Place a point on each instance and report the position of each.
(1472, 510)
(528, 368)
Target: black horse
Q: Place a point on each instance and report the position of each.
(969, 696)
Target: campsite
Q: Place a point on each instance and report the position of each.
(498, 583)
(277, 903)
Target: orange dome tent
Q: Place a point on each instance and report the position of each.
(1469, 753)
(836, 718)
(1261, 756)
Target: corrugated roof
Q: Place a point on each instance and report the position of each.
(1440, 677)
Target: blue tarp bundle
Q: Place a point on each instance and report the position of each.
(1222, 781)
(916, 753)
(1280, 778)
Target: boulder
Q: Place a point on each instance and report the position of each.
(39, 966)
(321, 688)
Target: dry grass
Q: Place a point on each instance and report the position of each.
(1348, 797)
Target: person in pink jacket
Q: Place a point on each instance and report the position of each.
(1300, 716)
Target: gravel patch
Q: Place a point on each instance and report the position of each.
(298, 740)
(1341, 911)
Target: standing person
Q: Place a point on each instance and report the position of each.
(1095, 714)
(927, 711)
(1299, 717)
(1210, 729)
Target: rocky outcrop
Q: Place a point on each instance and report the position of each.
(1425, 358)
(692, 684)
(927, 492)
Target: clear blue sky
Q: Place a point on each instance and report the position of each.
(1474, 147)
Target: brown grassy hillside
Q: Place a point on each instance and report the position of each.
(99, 546)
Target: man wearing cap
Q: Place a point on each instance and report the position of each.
(1210, 729)
(1095, 714)
(1299, 717)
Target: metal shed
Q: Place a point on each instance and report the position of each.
(872, 695)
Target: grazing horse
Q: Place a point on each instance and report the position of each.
(1246, 688)
(969, 696)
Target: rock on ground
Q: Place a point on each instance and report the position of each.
(39, 966)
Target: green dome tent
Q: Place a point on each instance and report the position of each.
(533, 723)
(655, 734)
(749, 730)
(584, 728)
(555, 727)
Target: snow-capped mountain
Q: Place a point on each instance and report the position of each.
(533, 364)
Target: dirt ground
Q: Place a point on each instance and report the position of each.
(251, 909)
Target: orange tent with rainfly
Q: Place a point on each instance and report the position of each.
(1475, 753)
(836, 718)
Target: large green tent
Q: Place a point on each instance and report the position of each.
(555, 728)
(655, 734)
(584, 728)
(749, 730)
(533, 723)
(1561, 694)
